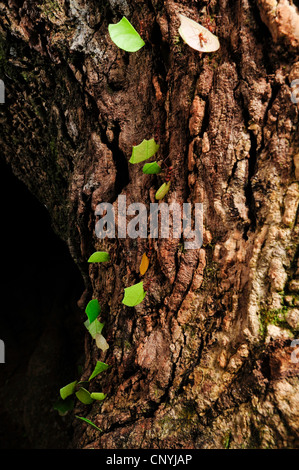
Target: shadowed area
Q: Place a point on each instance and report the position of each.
(39, 321)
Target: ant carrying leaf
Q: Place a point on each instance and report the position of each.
(197, 36)
(144, 264)
(164, 188)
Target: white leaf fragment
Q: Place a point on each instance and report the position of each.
(196, 36)
(101, 342)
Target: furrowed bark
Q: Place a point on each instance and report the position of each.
(205, 360)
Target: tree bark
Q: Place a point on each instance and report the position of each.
(205, 361)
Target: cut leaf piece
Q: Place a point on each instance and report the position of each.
(100, 367)
(101, 342)
(134, 295)
(196, 36)
(151, 168)
(93, 309)
(144, 264)
(84, 396)
(162, 191)
(98, 396)
(63, 406)
(88, 422)
(143, 151)
(99, 257)
(94, 328)
(68, 390)
(125, 36)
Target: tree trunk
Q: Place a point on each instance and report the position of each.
(207, 359)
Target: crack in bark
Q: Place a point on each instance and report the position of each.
(252, 161)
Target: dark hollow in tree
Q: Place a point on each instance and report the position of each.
(205, 360)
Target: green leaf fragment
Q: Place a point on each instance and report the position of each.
(100, 367)
(89, 422)
(134, 295)
(68, 390)
(98, 396)
(151, 168)
(84, 396)
(92, 310)
(94, 328)
(143, 151)
(63, 406)
(162, 191)
(99, 257)
(125, 36)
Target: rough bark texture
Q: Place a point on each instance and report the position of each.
(205, 360)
